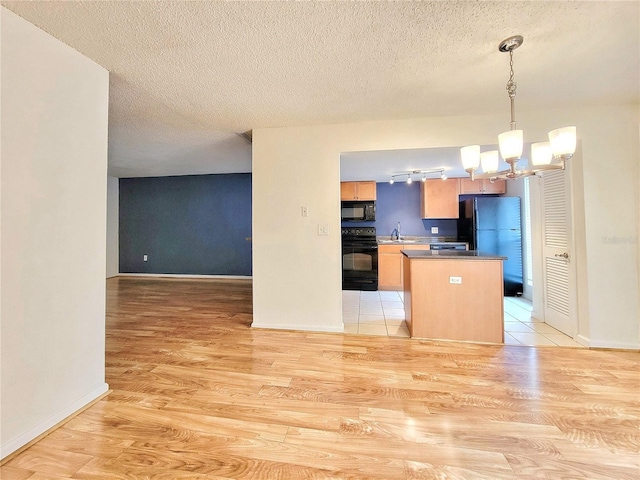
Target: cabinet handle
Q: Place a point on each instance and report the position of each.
(564, 255)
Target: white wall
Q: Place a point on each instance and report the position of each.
(53, 199)
(611, 150)
(113, 197)
(297, 278)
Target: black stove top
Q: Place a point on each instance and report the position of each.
(360, 232)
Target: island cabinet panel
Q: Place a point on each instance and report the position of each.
(438, 307)
(390, 265)
(439, 198)
(357, 191)
(482, 186)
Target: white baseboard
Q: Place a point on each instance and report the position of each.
(299, 327)
(181, 275)
(26, 437)
(582, 340)
(587, 342)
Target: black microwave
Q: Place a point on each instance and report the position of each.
(358, 211)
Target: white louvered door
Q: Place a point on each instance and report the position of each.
(559, 281)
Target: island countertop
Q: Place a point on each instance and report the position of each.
(451, 255)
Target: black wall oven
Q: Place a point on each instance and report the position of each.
(359, 258)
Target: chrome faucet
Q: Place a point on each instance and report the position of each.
(397, 232)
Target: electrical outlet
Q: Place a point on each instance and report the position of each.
(434, 229)
(455, 280)
(323, 229)
(145, 258)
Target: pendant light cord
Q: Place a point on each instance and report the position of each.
(511, 90)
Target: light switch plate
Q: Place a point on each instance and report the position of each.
(455, 280)
(304, 211)
(434, 229)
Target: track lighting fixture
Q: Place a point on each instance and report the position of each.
(424, 174)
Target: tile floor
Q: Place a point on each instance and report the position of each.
(382, 313)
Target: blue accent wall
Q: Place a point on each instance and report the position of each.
(401, 203)
(195, 224)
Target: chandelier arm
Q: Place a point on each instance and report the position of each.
(494, 175)
(509, 174)
(550, 166)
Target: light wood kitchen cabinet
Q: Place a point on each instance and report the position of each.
(482, 186)
(439, 198)
(390, 274)
(389, 267)
(357, 191)
(498, 186)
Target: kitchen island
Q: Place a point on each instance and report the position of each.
(454, 295)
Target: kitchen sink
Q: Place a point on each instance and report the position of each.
(397, 241)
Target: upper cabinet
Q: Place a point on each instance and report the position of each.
(481, 186)
(357, 191)
(439, 198)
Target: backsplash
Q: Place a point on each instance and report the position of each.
(401, 203)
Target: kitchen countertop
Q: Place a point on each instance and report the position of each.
(450, 254)
(415, 240)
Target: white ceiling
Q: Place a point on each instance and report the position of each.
(187, 76)
(381, 165)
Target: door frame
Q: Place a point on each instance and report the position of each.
(537, 249)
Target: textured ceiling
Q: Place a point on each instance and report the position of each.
(187, 76)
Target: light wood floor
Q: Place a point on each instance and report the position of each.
(198, 394)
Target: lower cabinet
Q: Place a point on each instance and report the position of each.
(389, 267)
(390, 274)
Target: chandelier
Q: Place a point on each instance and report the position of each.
(550, 155)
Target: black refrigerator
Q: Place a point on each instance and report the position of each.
(492, 225)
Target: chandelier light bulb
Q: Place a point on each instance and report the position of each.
(409, 180)
(510, 143)
(541, 153)
(424, 177)
(470, 157)
(489, 161)
(391, 181)
(443, 176)
(563, 141)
